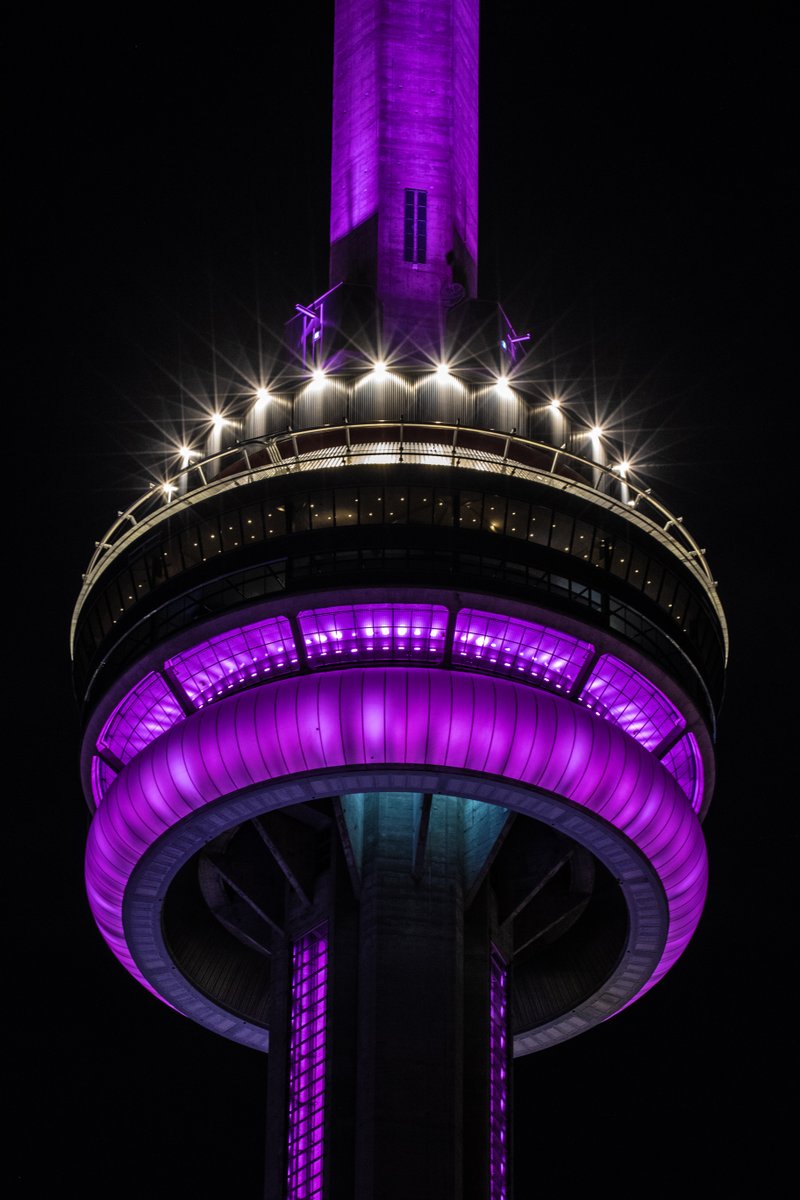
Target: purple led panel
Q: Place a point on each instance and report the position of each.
(685, 765)
(498, 1078)
(235, 659)
(618, 693)
(307, 1066)
(148, 710)
(412, 715)
(506, 645)
(102, 778)
(354, 632)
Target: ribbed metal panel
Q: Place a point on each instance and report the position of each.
(318, 404)
(271, 416)
(500, 408)
(386, 399)
(445, 400)
(540, 423)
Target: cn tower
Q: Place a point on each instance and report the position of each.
(399, 694)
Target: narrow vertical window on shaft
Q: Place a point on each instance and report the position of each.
(307, 1066)
(415, 226)
(498, 1079)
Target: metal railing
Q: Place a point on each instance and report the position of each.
(283, 453)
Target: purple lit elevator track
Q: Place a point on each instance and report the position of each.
(307, 1066)
(498, 1078)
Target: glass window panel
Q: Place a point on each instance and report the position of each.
(210, 543)
(582, 538)
(420, 505)
(141, 583)
(320, 505)
(668, 591)
(652, 583)
(620, 694)
(191, 550)
(470, 506)
(613, 556)
(443, 507)
(685, 765)
(301, 514)
(347, 506)
(235, 659)
(371, 506)
(561, 530)
(638, 571)
(687, 611)
(511, 646)
(252, 523)
(404, 632)
(127, 589)
(275, 519)
(494, 514)
(517, 519)
(396, 505)
(147, 711)
(230, 531)
(541, 519)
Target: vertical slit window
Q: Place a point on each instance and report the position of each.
(307, 1066)
(415, 226)
(498, 1079)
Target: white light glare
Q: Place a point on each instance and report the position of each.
(218, 421)
(442, 371)
(318, 375)
(168, 489)
(595, 433)
(262, 397)
(186, 455)
(622, 468)
(379, 370)
(555, 403)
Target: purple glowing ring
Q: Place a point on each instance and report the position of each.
(492, 739)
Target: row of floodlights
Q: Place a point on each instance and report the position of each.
(380, 370)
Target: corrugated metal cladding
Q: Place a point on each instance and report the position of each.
(431, 400)
(271, 417)
(318, 404)
(446, 400)
(501, 409)
(386, 399)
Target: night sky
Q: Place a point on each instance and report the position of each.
(169, 194)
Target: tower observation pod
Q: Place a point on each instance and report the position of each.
(399, 698)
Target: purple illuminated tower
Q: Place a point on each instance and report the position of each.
(400, 694)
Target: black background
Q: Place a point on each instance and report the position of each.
(168, 191)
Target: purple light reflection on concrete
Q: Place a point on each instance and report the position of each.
(408, 715)
(234, 660)
(620, 694)
(405, 116)
(685, 765)
(307, 1066)
(521, 648)
(498, 1078)
(147, 711)
(374, 631)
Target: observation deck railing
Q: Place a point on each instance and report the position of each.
(344, 445)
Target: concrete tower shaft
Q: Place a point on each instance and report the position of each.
(404, 174)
